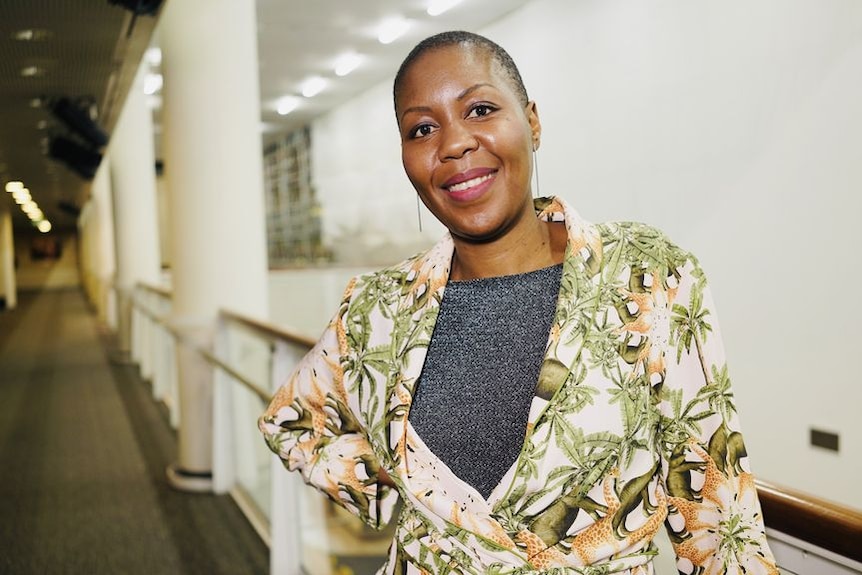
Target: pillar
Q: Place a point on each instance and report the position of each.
(133, 184)
(8, 286)
(101, 252)
(214, 175)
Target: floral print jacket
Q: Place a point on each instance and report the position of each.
(632, 425)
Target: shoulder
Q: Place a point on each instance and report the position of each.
(642, 245)
(418, 275)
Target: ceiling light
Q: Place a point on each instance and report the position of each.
(32, 34)
(347, 63)
(14, 186)
(313, 86)
(287, 105)
(391, 29)
(437, 7)
(21, 197)
(36, 215)
(36, 103)
(29, 206)
(154, 56)
(41, 124)
(44, 226)
(153, 83)
(30, 71)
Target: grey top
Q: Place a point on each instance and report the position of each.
(473, 397)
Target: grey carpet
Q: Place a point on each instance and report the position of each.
(83, 451)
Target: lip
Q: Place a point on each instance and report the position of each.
(472, 192)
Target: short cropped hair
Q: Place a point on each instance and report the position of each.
(459, 37)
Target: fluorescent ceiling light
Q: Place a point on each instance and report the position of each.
(347, 63)
(287, 105)
(392, 29)
(44, 226)
(313, 86)
(437, 7)
(12, 187)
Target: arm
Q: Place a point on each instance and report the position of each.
(310, 426)
(714, 520)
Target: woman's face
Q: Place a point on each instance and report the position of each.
(467, 141)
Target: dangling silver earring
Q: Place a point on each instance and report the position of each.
(536, 170)
(419, 213)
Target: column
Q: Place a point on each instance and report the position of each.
(101, 250)
(133, 183)
(8, 287)
(214, 175)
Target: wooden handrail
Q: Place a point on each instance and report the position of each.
(268, 330)
(820, 522)
(823, 523)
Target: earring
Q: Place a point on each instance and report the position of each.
(419, 213)
(536, 169)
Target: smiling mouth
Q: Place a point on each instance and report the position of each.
(473, 182)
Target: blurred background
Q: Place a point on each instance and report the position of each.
(188, 185)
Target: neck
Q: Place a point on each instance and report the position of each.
(526, 248)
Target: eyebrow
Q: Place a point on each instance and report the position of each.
(466, 92)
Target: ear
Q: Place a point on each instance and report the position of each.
(532, 112)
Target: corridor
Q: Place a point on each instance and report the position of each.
(83, 449)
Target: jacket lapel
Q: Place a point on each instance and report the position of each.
(425, 278)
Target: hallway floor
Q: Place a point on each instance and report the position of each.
(83, 451)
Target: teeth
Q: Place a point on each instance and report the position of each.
(470, 183)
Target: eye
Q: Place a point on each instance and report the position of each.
(480, 110)
(420, 131)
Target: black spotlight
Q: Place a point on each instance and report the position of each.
(82, 160)
(77, 119)
(139, 7)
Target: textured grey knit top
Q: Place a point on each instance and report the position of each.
(480, 374)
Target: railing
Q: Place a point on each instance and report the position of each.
(811, 534)
(251, 358)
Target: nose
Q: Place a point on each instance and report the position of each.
(456, 140)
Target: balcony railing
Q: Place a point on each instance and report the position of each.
(251, 358)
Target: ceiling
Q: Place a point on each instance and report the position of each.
(88, 50)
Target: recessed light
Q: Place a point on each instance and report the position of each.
(13, 187)
(153, 83)
(41, 124)
(347, 63)
(287, 105)
(30, 71)
(154, 56)
(44, 226)
(36, 102)
(392, 29)
(437, 7)
(313, 86)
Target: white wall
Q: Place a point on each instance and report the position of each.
(735, 126)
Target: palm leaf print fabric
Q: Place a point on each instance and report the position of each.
(633, 424)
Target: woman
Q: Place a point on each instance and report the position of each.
(541, 392)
